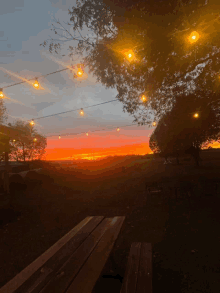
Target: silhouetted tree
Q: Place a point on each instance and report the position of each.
(179, 130)
(28, 144)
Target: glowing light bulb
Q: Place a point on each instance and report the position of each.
(87, 134)
(196, 115)
(81, 112)
(36, 84)
(32, 122)
(14, 140)
(1, 93)
(194, 36)
(35, 139)
(154, 123)
(144, 98)
(79, 72)
(129, 54)
(59, 137)
(118, 129)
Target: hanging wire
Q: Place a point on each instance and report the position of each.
(34, 78)
(103, 129)
(74, 110)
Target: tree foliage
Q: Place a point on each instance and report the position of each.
(166, 66)
(23, 147)
(153, 144)
(180, 131)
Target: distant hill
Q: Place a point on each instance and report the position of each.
(111, 162)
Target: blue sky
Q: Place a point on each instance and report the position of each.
(24, 24)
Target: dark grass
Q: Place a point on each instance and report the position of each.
(185, 234)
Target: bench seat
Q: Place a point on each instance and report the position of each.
(138, 274)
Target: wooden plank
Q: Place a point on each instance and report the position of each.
(59, 258)
(70, 269)
(131, 274)
(90, 272)
(144, 284)
(34, 267)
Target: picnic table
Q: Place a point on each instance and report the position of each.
(75, 262)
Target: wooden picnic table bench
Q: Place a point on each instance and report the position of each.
(138, 274)
(74, 263)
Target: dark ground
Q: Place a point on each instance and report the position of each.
(185, 236)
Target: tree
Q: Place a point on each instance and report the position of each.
(158, 144)
(28, 144)
(153, 144)
(157, 32)
(180, 130)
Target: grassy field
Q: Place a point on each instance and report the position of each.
(185, 234)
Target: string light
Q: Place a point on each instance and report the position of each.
(1, 94)
(32, 122)
(143, 98)
(154, 123)
(14, 140)
(196, 115)
(36, 84)
(35, 139)
(81, 112)
(194, 36)
(79, 72)
(129, 54)
(118, 129)
(59, 137)
(87, 134)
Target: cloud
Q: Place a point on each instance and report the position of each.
(42, 105)
(10, 6)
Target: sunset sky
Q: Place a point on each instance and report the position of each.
(22, 30)
(21, 57)
(99, 145)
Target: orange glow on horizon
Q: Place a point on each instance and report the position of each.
(94, 154)
(90, 154)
